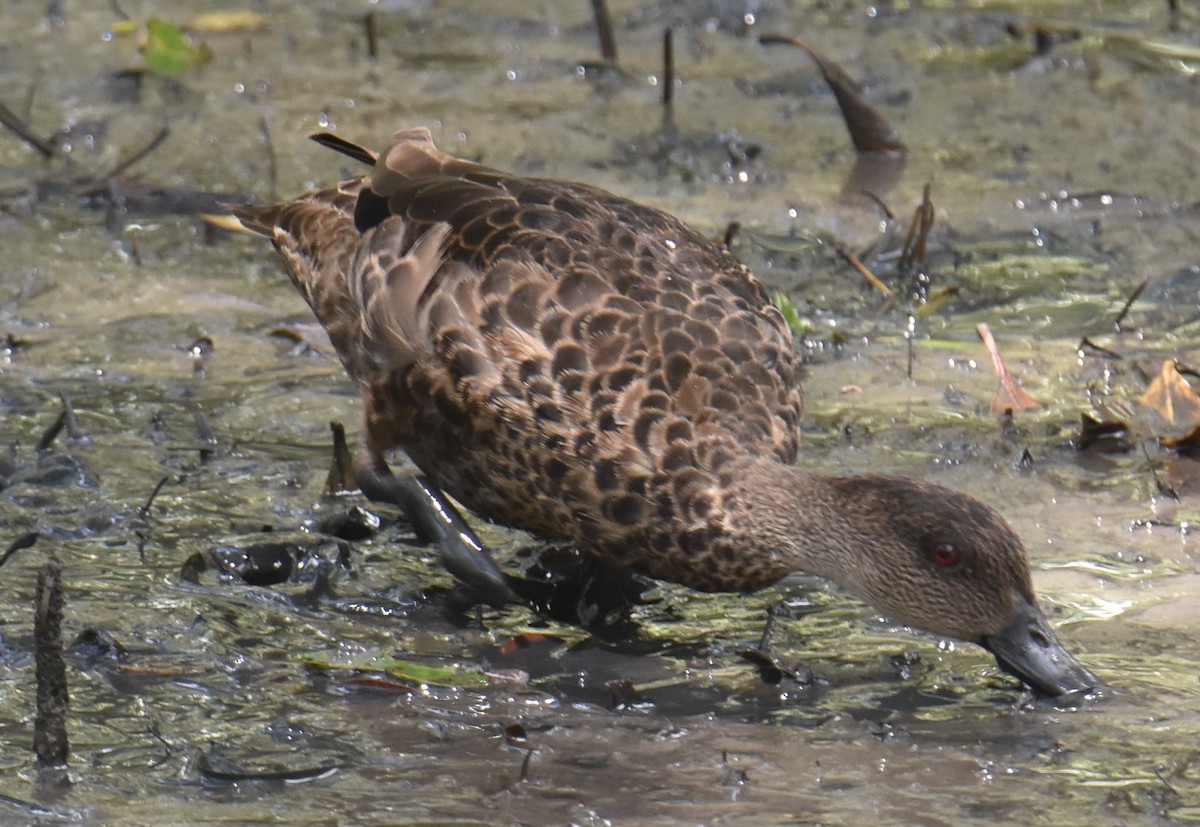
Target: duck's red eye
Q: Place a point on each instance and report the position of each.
(946, 554)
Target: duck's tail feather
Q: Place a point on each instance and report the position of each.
(347, 148)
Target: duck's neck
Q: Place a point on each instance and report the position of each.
(797, 518)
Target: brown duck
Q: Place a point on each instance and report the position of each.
(571, 363)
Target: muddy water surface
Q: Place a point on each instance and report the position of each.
(1060, 180)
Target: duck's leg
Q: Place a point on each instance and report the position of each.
(437, 521)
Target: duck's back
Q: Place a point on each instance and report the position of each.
(555, 357)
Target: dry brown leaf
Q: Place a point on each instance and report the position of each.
(869, 129)
(1172, 398)
(1009, 395)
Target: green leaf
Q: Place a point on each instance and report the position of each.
(167, 50)
(404, 670)
(783, 304)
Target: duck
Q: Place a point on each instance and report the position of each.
(571, 363)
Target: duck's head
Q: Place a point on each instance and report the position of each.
(944, 562)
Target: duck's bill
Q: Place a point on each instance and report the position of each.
(1027, 649)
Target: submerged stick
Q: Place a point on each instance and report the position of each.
(19, 128)
(140, 154)
(50, 726)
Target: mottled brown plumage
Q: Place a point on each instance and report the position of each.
(568, 362)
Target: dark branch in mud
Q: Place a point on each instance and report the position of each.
(50, 726)
(604, 28)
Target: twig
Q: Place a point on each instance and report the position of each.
(10, 119)
(145, 509)
(154, 144)
(1137, 291)
(853, 261)
(910, 336)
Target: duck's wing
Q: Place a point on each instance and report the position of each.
(607, 293)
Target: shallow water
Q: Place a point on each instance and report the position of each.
(105, 306)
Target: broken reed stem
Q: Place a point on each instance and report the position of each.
(341, 471)
(604, 28)
(50, 726)
(51, 433)
(370, 25)
(913, 252)
(862, 269)
(72, 424)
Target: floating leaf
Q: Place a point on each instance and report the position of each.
(167, 50)
(1172, 398)
(522, 641)
(405, 670)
